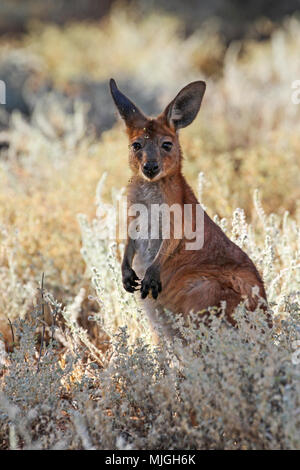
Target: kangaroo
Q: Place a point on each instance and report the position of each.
(173, 277)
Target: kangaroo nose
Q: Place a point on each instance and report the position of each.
(150, 169)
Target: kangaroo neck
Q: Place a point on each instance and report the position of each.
(171, 188)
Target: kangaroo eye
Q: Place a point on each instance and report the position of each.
(136, 146)
(167, 146)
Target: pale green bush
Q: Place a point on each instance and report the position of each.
(228, 389)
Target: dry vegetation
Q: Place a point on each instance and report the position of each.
(100, 381)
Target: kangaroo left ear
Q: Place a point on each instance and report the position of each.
(132, 116)
(184, 108)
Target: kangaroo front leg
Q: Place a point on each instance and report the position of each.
(152, 282)
(129, 276)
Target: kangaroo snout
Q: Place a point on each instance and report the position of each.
(150, 169)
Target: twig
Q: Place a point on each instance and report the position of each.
(12, 331)
(43, 320)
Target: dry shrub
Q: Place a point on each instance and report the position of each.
(228, 389)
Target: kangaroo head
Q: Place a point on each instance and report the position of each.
(154, 146)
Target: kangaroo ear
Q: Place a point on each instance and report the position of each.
(132, 116)
(185, 106)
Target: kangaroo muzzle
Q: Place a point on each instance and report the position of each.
(150, 169)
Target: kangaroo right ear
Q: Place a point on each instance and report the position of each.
(132, 116)
(185, 106)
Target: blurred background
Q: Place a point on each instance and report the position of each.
(59, 131)
(151, 47)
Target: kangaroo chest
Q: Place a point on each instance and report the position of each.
(146, 247)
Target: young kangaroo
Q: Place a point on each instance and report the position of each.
(174, 277)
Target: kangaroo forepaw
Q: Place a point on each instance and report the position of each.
(151, 283)
(129, 279)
